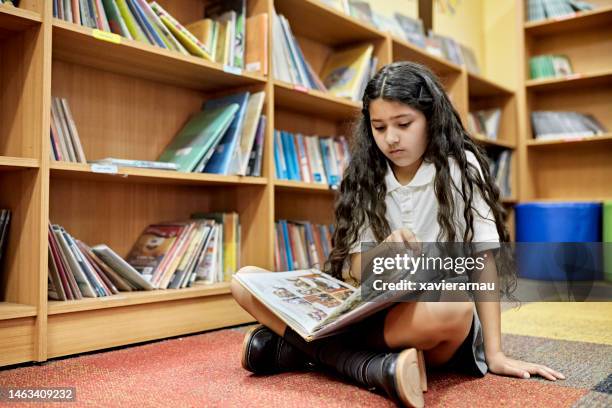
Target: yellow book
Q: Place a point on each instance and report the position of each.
(223, 42)
(191, 43)
(230, 244)
(344, 71)
(204, 31)
(256, 50)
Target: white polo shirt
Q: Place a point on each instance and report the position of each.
(414, 206)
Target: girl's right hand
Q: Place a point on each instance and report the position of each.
(406, 236)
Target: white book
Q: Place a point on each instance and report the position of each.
(120, 266)
(283, 60)
(82, 282)
(62, 128)
(316, 161)
(74, 134)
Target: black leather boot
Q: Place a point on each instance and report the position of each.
(265, 352)
(400, 375)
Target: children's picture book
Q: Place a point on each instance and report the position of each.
(311, 302)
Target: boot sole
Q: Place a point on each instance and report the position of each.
(244, 359)
(410, 378)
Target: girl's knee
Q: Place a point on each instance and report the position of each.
(453, 316)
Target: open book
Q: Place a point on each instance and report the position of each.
(312, 303)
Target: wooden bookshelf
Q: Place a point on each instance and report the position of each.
(15, 311)
(602, 140)
(578, 21)
(574, 81)
(136, 298)
(313, 102)
(292, 185)
(569, 169)
(76, 44)
(129, 100)
(404, 50)
(16, 163)
(79, 171)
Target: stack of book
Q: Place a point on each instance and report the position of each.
(551, 125)
(549, 66)
(500, 166)
(301, 245)
(201, 251)
(233, 39)
(289, 64)
(543, 9)
(65, 140)
(312, 159)
(77, 271)
(135, 20)
(176, 255)
(5, 221)
(226, 137)
(485, 122)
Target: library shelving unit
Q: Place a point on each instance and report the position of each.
(571, 169)
(128, 100)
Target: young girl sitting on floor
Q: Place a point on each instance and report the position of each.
(413, 172)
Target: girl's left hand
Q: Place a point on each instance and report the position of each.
(502, 365)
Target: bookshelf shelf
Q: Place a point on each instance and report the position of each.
(82, 171)
(17, 19)
(292, 185)
(313, 102)
(136, 298)
(10, 310)
(332, 27)
(591, 140)
(76, 44)
(570, 82)
(403, 50)
(479, 86)
(578, 21)
(17, 163)
(498, 143)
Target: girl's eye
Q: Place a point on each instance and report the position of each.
(404, 125)
(379, 129)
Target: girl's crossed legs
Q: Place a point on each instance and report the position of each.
(437, 328)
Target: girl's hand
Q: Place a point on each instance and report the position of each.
(407, 236)
(502, 365)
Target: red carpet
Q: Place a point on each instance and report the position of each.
(204, 370)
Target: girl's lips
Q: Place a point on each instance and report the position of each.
(395, 151)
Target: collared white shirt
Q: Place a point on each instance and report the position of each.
(414, 206)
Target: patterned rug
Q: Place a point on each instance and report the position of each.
(204, 371)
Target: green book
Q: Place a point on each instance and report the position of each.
(131, 22)
(115, 21)
(200, 135)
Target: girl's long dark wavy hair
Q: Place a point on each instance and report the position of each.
(361, 201)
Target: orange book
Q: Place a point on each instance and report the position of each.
(256, 55)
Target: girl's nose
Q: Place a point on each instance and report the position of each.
(391, 137)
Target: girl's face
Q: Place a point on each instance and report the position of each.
(400, 131)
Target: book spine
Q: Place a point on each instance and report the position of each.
(179, 27)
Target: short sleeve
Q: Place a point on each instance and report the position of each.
(366, 235)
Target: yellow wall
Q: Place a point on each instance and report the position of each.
(489, 28)
(465, 25)
(501, 45)
(388, 7)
